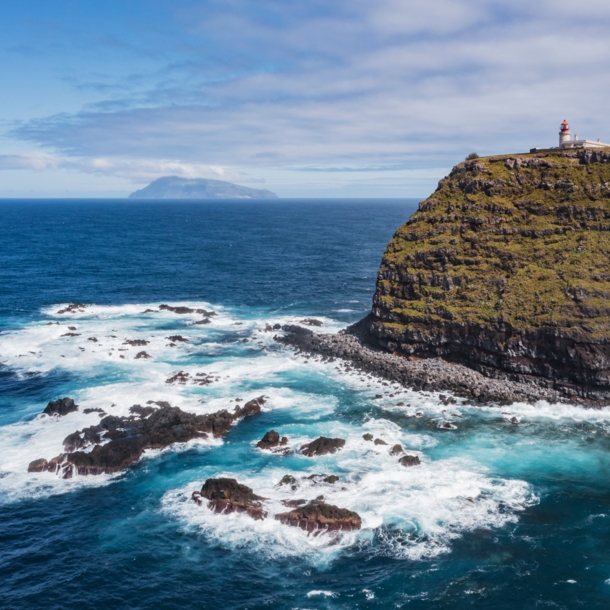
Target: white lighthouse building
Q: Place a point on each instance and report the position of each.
(565, 140)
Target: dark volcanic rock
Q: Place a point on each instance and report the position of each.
(141, 355)
(288, 479)
(410, 460)
(135, 342)
(396, 449)
(272, 439)
(126, 438)
(228, 496)
(60, 407)
(72, 308)
(178, 310)
(320, 517)
(322, 446)
(175, 338)
(38, 465)
(252, 407)
(311, 322)
(358, 347)
(185, 310)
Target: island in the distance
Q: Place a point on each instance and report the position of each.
(172, 187)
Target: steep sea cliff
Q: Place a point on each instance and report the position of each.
(505, 268)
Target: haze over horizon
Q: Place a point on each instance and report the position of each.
(355, 99)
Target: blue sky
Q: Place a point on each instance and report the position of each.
(349, 98)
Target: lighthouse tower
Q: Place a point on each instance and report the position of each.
(564, 134)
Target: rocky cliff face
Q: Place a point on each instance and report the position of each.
(506, 268)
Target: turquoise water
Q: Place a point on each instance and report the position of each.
(497, 515)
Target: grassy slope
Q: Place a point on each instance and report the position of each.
(532, 251)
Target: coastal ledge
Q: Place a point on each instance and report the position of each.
(357, 346)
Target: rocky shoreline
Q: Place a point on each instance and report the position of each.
(358, 349)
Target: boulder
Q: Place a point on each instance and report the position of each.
(311, 322)
(288, 479)
(322, 446)
(318, 517)
(409, 460)
(60, 407)
(228, 496)
(272, 439)
(396, 449)
(38, 465)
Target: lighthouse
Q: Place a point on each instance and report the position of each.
(565, 141)
(564, 134)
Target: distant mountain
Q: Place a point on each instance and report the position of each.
(172, 187)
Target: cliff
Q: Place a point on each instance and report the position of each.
(506, 268)
(172, 187)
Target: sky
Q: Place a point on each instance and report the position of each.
(349, 98)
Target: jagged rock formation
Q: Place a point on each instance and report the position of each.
(272, 440)
(228, 496)
(322, 445)
(60, 407)
(319, 517)
(506, 268)
(118, 442)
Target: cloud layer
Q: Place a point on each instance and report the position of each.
(257, 89)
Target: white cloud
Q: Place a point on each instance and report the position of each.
(279, 85)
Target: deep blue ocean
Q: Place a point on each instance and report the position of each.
(497, 515)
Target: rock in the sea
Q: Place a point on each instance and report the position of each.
(186, 310)
(60, 407)
(176, 338)
(311, 322)
(319, 517)
(396, 449)
(271, 440)
(380, 441)
(74, 307)
(126, 438)
(135, 342)
(38, 465)
(288, 479)
(228, 496)
(141, 355)
(410, 460)
(322, 446)
(367, 437)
